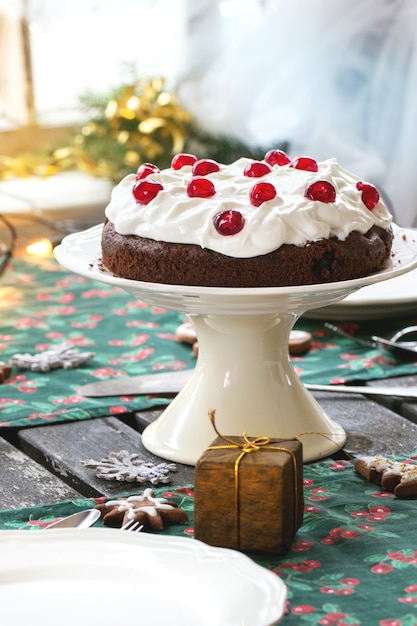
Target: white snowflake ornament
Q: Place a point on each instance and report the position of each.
(123, 466)
(63, 355)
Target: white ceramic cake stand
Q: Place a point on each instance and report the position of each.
(243, 369)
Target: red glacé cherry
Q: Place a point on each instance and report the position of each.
(145, 169)
(256, 169)
(305, 163)
(370, 194)
(262, 192)
(277, 157)
(146, 190)
(228, 222)
(200, 187)
(204, 167)
(182, 159)
(321, 190)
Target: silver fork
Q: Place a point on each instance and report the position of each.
(132, 526)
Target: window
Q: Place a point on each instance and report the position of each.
(53, 52)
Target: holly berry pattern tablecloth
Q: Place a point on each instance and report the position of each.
(353, 560)
(42, 305)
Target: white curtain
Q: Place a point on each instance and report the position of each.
(332, 78)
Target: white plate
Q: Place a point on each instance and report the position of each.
(107, 577)
(392, 298)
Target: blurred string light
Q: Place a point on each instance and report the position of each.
(40, 248)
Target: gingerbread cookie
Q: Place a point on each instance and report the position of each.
(5, 371)
(151, 512)
(407, 487)
(371, 468)
(395, 476)
(186, 333)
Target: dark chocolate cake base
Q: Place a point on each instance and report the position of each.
(323, 261)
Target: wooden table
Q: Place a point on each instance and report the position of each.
(44, 464)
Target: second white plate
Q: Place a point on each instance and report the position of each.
(105, 576)
(393, 298)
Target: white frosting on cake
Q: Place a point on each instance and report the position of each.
(290, 218)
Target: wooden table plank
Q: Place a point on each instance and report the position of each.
(62, 449)
(25, 483)
(371, 427)
(407, 408)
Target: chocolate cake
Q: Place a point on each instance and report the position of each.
(265, 223)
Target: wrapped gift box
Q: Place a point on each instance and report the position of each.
(249, 497)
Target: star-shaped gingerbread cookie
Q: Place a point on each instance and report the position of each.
(153, 513)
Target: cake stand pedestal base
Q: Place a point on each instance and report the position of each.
(244, 373)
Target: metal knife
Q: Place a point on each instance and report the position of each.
(173, 382)
(161, 383)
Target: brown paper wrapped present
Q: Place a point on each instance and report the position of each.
(248, 494)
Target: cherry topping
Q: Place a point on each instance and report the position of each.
(262, 192)
(277, 157)
(321, 190)
(146, 190)
(145, 169)
(228, 222)
(305, 163)
(370, 194)
(204, 167)
(182, 159)
(200, 187)
(256, 169)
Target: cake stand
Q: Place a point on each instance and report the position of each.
(243, 370)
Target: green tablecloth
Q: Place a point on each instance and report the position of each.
(43, 305)
(353, 561)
